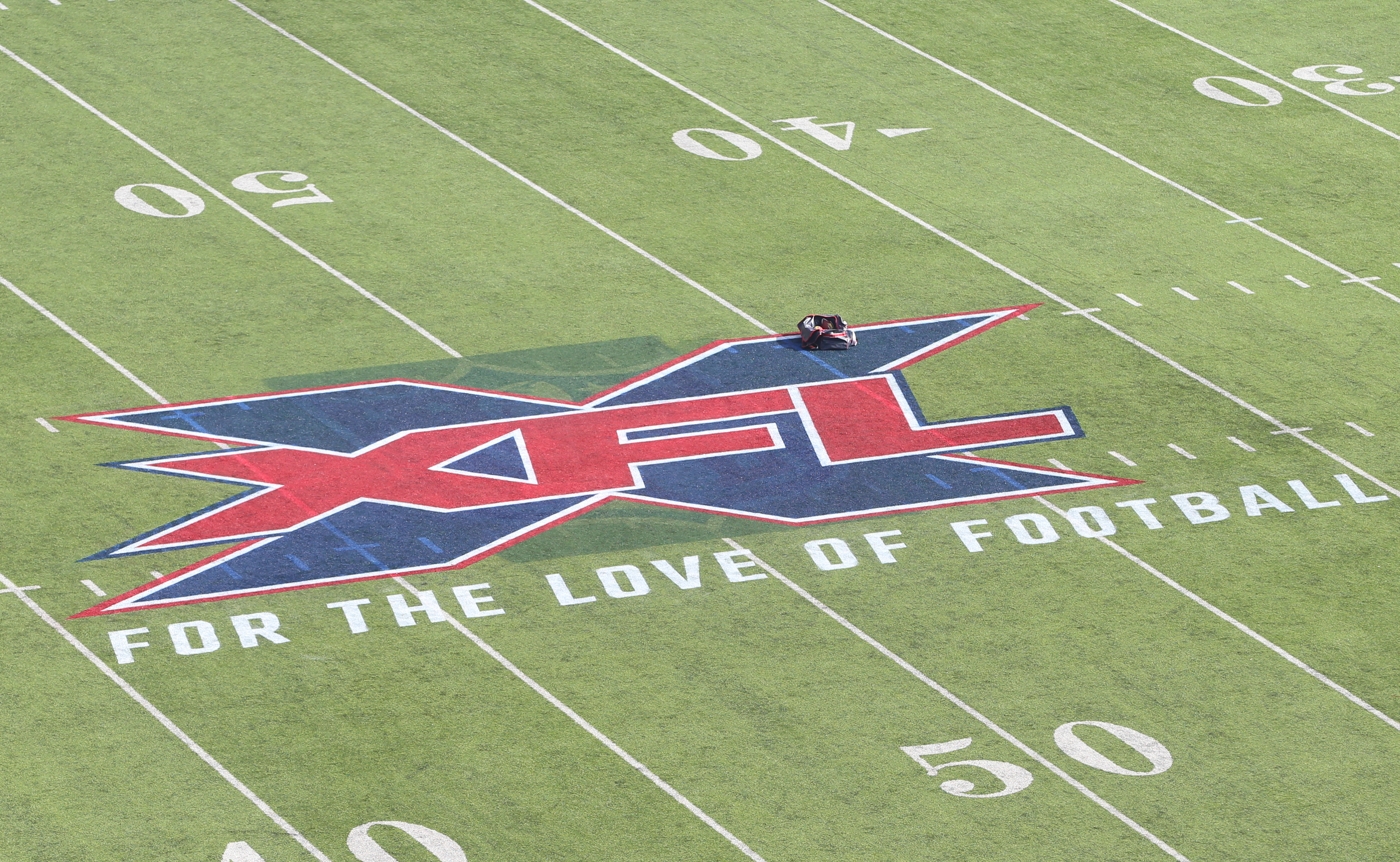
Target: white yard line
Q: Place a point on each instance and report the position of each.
(1234, 216)
(1214, 387)
(1280, 651)
(1272, 77)
(893, 207)
(477, 151)
(959, 702)
(344, 279)
(99, 352)
(165, 721)
(592, 731)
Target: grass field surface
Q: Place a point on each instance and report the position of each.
(527, 203)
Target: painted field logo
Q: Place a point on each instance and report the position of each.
(378, 479)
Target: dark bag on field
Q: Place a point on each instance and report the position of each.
(825, 332)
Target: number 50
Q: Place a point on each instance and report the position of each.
(1015, 778)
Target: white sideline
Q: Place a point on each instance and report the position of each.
(592, 731)
(885, 202)
(1234, 216)
(165, 721)
(477, 151)
(959, 703)
(99, 352)
(344, 279)
(1275, 78)
(1283, 653)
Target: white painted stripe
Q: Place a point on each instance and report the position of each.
(1185, 294)
(959, 702)
(344, 279)
(1280, 651)
(1362, 431)
(1081, 311)
(1123, 458)
(1237, 286)
(1057, 464)
(1240, 443)
(1234, 216)
(1146, 348)
(592, 731)
(513, 173)
(44, 423)
(53, 318)
(96, 590)
(168, 724)
(1302, 283)
(1180, 451)
(1293, 431)
(1275, 78)
(156, 575)
(99, 352)
(1128, 299)
(4, 8)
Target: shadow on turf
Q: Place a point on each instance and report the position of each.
(570, 372)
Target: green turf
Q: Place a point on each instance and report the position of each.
(745, 697)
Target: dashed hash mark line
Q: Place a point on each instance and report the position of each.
(1241, 288)
(1301, 283)
(1234, 216)
(592, 731)
(1240, 443)
(1275, 78)
(1125, 459)
(96, 590)
(288, 241)
(1128, 299)
(1180, 451)
(1189, 296)
(1280, 651)
(893, 207)
(477, 151)
(1358, 429)
(959, 702)
(44, 423)
(165, 721)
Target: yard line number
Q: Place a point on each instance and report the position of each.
(1014, 778)
(366, 849)
(1337, 78)
(726, 146)
(155, 199)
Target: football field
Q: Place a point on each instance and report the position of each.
(405, 455)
